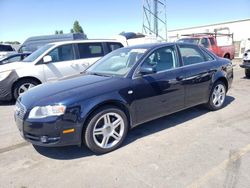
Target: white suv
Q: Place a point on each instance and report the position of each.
(50, 63)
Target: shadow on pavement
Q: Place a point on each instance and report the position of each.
(74, 152)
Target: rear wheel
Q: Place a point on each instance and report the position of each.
(247, 73)
(106, 130)
(217, 96)
(22, 86)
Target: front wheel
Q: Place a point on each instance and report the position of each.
(22, 86)
(106, 130)
(247, 73)
(217, 96)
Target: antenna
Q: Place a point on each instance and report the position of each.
(155, 18)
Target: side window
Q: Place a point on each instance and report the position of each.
(162, 59)
(207, 55)
(90, 50)
(62, 53)
(212, 41)
(204, 42)
(191, 54)
(113, 46)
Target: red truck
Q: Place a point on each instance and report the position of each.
(209, 41)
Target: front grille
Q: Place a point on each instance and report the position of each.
(20, 110)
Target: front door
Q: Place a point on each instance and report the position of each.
(160, 93)
(62, 65)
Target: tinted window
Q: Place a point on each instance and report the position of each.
(89, 50)
(114, 45)
(204, 42)
(6, 48)
(191, 54)
(162, 59)
(207, 55)
(62, 53)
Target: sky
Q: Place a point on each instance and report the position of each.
(21, 19)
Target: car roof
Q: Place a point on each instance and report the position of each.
(152, 45)
(84, 41)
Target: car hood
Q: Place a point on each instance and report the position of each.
(65, 89)
(13, 66)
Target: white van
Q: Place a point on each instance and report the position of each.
(51, 62)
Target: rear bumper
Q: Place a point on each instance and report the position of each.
(6, 87)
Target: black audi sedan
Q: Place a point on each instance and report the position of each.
(126, 88)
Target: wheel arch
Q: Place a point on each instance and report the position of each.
(25, 78)
(222, 79)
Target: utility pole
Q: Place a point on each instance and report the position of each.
(155, 18)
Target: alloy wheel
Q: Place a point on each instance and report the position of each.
(218, 95)
(25, 87)
(108, 130)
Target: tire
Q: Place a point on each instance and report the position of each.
(217, 96)
(19, 87)
(100, 136)
(247, 73)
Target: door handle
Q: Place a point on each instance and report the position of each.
(179, 78)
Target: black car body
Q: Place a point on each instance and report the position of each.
(13, 58)
(143, 93)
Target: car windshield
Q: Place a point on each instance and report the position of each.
(190, 40)
(32, 57)
(118, 62)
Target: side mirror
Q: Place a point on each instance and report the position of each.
(144, 70)
(47, 59)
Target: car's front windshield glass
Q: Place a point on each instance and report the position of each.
(32, 57)
(190, 40)
(118, 62)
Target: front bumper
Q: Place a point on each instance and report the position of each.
(49, 131)
(6, 87)
(246, 64)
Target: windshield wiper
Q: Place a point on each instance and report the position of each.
(95, 73)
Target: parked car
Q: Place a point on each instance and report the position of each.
(127, 87)
(209, 41)
(5, 50)
(50, 63)
(246, 63)
(31, 44)
(14, 57)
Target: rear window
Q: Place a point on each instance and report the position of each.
(90, 50)
(191, 54)
(114, 46)
(6, 48)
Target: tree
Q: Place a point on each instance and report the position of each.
(77, 28)
(58, 32)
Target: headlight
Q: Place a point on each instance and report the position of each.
(46, 111)
(4, 75)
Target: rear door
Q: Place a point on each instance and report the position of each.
(160, 93)
(62, 63)
(198, 68)
(88, 53)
